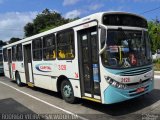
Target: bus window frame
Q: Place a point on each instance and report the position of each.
(44, 48)
(14, 55)
(37, 49)
(21, 54)
(5, 59)
(57, 46)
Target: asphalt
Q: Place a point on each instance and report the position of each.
(33, 101)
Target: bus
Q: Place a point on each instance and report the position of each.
(104, 57)
(1, 61)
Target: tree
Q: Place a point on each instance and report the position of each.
(154, 32)
(29, 29)
(45, 21)
(12, 40)
(2, 43)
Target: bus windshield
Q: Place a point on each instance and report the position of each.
(127, 48)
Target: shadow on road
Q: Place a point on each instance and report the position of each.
(127, 107)
(115, 110)
(11, 109)
(48, 92)
(10, 105)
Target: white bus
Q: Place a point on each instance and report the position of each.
(104, 57)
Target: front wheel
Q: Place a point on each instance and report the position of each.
(18, 80)
(67, 92)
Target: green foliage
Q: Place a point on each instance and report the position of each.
(157, 64)
(156, 61)
(154, 32)
(12, 40)
(45, 21)
(2, 43)
(29, 29)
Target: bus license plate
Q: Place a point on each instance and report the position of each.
(139, 90)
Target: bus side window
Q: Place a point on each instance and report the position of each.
(49, 50)
(14, 52)
(37, 49)
(5, 55)
(19, 53)
(65, 45)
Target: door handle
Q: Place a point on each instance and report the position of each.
(69, 61)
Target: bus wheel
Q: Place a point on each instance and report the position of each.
(67, 92)
(18, 80)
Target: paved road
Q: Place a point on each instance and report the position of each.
(22, 100)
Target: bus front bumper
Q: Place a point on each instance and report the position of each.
(115, 95)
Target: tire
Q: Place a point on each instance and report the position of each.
(67, 92)
(18, 80)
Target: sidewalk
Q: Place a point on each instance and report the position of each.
(156, 74)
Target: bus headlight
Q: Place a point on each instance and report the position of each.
(115, 83)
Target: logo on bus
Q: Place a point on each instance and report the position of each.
(44, 67)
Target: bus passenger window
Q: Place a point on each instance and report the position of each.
(19, 53)
(37, 49)
(14, 53)
(65, 45)
(49, 50)
(5, 55)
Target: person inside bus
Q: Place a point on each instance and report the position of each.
(69, 53)
(61, 54)
(47, 56)
(54, 54)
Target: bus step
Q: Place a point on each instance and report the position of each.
(30, 84)
(92, 99)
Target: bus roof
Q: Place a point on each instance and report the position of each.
(95, 16)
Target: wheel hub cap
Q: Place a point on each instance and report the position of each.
(67, 91)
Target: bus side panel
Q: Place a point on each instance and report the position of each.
(43, 82)
(73, 70)
(69, 68)
(43, 72)
(20, 69)
(76, 87)
(103, 83)
(46, 74)
(23, 77)
(13, 69)
(6, 69)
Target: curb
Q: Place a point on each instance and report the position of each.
(156, 71)
(157, 76)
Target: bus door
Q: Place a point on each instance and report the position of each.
(89, 63)
(10, 62)
(28, 64)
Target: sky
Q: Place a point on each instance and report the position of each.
(15, 14)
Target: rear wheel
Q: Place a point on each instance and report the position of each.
(67, 92)
(18, 80)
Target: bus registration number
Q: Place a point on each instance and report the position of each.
(62, 67)
(125, 80)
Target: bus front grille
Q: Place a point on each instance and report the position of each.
(137, 83)
(134, 93)
(135, 71)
